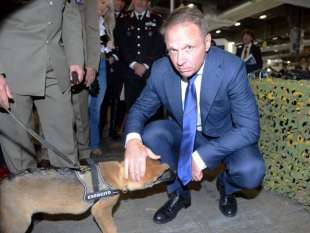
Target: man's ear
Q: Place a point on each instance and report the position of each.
(208, 41)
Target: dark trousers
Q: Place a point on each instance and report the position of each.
(115, 81)
(133, 88)
(244, 169)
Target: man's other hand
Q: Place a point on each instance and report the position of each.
(90, 76)
(197, 174)
(5, 93)
(135, 159)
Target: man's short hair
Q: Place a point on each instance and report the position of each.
(186, 14)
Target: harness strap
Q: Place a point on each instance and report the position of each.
(94, 174)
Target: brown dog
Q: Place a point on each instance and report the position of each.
(50, 192)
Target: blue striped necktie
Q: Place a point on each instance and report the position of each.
(188, 133)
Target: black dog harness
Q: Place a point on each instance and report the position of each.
(95, 187)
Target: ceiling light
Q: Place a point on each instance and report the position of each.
(237, 24)
(191, 5)
(274, 38)
(263, 16)
(218, 31)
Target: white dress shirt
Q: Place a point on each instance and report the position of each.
(246, 51)
(197, 158)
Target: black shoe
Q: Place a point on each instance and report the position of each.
(171, 208)
(227, 202)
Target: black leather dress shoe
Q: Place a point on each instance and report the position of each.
(227, 203)
(171, 208)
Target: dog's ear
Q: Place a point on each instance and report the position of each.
(154, 168)
(113, 172)
(153, 171)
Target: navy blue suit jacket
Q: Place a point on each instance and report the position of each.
(228, 107)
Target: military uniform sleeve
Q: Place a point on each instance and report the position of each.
(92, 35)
(72, 34)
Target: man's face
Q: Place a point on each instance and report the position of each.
(140, 5)
(119, 5)
(247, 38)
(186, 47)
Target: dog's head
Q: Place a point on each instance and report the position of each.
(155, 173)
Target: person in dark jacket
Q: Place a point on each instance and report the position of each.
(249, 52)
(140, 44)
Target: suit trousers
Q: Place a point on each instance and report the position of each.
(244, 169)
(80, 109)
(56, 117)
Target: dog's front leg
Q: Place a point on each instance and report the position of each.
(102, 212)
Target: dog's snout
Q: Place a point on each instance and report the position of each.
(167, 176)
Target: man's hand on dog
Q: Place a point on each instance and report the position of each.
(5, 93)
(135, 159)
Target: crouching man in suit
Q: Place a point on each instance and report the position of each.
(213, 117)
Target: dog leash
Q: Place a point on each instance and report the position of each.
(40, 139)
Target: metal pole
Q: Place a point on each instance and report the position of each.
(171, 5)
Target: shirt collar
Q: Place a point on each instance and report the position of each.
(200, 71)
(140, 13)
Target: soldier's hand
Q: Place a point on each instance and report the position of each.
(5, 93)
(80, 73)
(139, 69)
(90, 76)
(135, 159)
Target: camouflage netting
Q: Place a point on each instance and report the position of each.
(285, 135)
